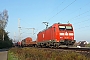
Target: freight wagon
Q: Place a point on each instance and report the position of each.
(27, 42)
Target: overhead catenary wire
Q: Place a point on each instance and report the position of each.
(80, 14)
(82, 21)
(82, 27)
(61, 3)
(57, 6)
(62, 9)
(78, 9)
(83, 24)
(82, 17)
(81, 7)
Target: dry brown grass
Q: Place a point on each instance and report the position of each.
(44, 54)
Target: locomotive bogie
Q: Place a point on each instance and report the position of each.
(53, 43)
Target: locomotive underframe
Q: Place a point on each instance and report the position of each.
(53, 43)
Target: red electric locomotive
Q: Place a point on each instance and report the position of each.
(56, 35)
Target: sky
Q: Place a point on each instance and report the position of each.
(32, 14)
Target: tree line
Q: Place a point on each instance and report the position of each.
(5, 41)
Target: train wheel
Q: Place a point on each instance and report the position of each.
(35, 45)
(56, 45)
(51, 46)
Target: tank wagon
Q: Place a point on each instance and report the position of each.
(56, 35)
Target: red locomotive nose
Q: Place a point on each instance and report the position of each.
(66, 33)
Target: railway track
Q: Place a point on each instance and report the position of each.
(83, 50)
(87, 49)
(79, 49)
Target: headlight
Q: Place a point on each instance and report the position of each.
(61, 33)
(71, 34)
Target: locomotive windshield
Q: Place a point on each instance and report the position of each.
(65, 28)
(62, 27)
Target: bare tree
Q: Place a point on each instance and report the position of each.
(3, 19)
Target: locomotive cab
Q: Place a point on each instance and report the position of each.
(66, 34)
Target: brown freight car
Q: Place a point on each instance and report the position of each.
(27, 42)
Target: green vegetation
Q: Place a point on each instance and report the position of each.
(11, 56)
(44, 54)
(7, 42)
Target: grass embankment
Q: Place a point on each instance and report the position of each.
(11, 56)
(43, 54)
